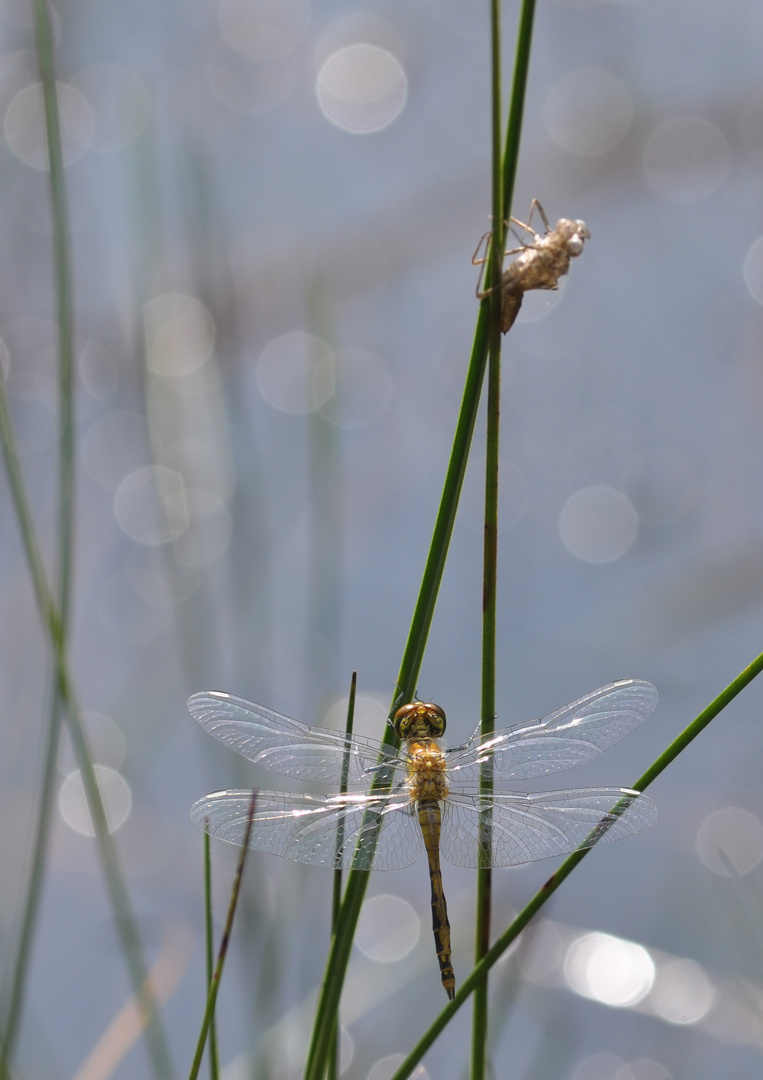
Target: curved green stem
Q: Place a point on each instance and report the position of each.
(65, 531)
(509, 935)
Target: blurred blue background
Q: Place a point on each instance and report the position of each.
(273, 208)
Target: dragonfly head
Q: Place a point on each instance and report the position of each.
(420, 719)
(573, 234)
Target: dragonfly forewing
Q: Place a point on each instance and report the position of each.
(290, 748)
(564, 739)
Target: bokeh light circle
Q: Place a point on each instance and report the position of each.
(296, 372)
(598, 524)
(180, 333)
(362, 88)
(264, 30)
(601, 1066)
(753, 270)
(588, 112)
(686, 158)
(388, 929)
(682, 992)
(115, 793)
(609, 969)
(730, 841)
(150, 505)
(25, 124)
(386, 1067)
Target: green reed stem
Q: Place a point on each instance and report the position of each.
(63, 280)
(65, 531)
(357, 880)
(51, 619)
(214, 986)
(511, 933)
(517, 104)
(336, 900)
(490, 542)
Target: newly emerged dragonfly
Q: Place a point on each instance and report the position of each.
(539, 263)
(422, 796)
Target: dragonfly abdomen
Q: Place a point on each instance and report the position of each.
(430, 819)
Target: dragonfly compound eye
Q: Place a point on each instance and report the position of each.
(402, 720)
(419, 720)
(437, 720)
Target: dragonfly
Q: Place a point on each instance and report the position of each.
(399, 802)
(539, 263)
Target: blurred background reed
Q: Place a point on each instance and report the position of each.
(273, 208)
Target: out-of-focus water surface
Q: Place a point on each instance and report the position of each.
(273, 210)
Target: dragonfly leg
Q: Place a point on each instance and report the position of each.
(480, 260)
(535, 205)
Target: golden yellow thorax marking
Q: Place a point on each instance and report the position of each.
(427, 780)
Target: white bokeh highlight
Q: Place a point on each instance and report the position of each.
(598, 524)
(588, 112)
(264, 30)
(150, 505)
(180, 334)
(753, 270)
(687, 158)
(25, 124)
(362, 88)
(296, 373)
(730, 841)
(682, 992)
(388, 929)
(609, 969)
(115, 794)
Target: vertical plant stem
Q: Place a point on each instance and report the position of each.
(65, 530)
(490, 549)
(214, 1059)
(63, 281)
(357, 880)
(334, 1058)
(517, 104)
(209, 1012)
(125, 922)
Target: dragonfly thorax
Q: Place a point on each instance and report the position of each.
(427, 770)
(419, 720)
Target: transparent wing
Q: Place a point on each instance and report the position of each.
(529, 827)
(287, 747)
(305, 828)
(568, 737)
